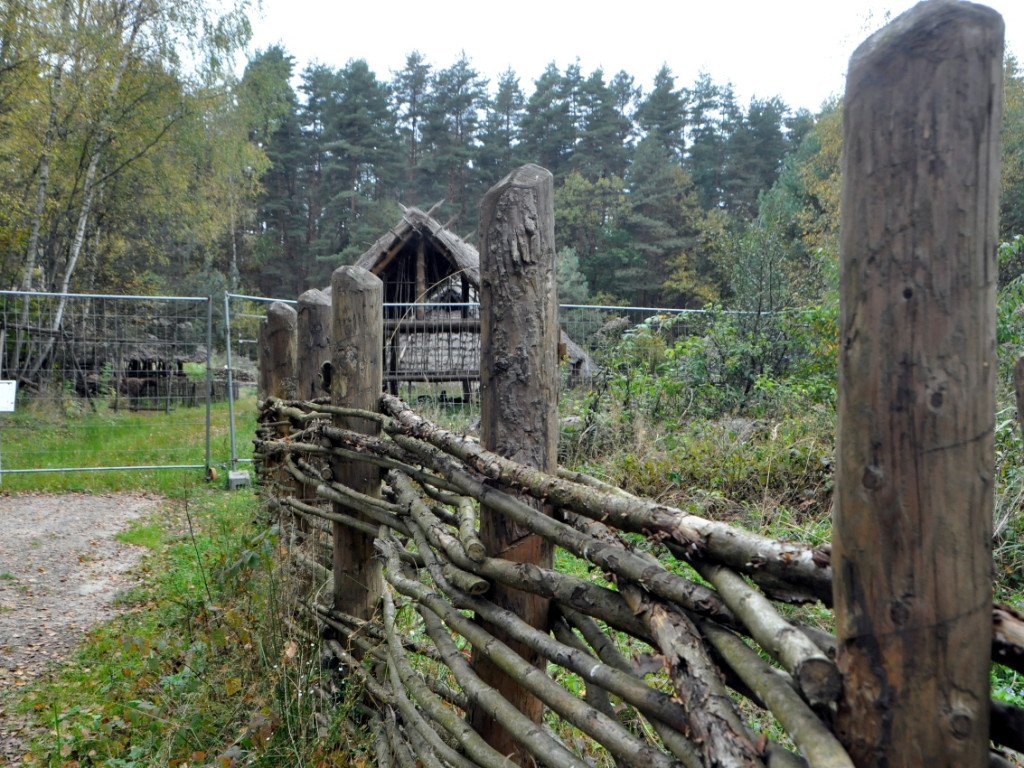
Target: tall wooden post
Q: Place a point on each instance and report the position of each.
(276, 364)
(519, 394)
(357, 362)
(912, 529)
(314, 343)
(314, 349)
(277, 352)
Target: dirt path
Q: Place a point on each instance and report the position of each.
(60, 568)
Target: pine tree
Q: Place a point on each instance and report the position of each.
(282, 258)
(411, 92)
(361, 136)
(500, 146)
(713, 116)
(450, 135)
(662, 223)
(547, 128)
(753, 156)
(604, 132)
(661, 114)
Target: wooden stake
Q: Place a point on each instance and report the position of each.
(357, 370)
(912, 530)
(314, 343)
(277, 364)
(519, 397)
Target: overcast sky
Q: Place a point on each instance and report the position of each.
(796, 49)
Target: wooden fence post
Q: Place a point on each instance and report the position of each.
(276, 355)
(277, 351)
(357, 374)
(912, 529)
(519, 395)
(314, 349)
(314, 343)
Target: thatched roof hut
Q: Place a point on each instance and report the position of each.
(421, 262)
(418, 258)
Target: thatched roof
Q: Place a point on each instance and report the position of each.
(446, 255)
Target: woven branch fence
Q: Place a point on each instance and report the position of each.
(439, 549)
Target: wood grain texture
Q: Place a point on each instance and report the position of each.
(912, 529)
(518, 398)
(314, 342)
(357, 370)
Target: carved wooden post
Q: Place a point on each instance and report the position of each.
(912, 529)
(278, 351)
(314, 343)
(276, 359)
(519, 393)
(314, 349)
(357, 371)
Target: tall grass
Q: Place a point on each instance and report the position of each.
(68, 434)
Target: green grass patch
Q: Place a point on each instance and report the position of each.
(69, 433)
(143, 534)
(194, 672)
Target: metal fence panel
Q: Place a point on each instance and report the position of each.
(81, 359)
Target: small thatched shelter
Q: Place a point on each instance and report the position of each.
(421, 263)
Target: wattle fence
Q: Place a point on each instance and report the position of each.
(663, 638)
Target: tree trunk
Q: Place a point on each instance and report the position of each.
(911, 548)
(89, 189)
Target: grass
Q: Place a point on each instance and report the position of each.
(205, 667)
(175, 679)
(143, 534)
(65, 433)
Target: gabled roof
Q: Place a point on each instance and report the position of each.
(415, 225)
(449, 255)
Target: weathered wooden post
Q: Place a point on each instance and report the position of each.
(519, 394)
(313, 350)
(912, 528)
(357, 374)
(276, 360)
(314, 343)
(277, 351)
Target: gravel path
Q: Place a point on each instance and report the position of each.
(60, 568)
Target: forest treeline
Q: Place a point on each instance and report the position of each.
(133, 159)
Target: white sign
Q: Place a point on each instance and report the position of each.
(8, 389)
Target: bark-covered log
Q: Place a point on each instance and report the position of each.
(674, 740)
(594, 695)
(715, 724)
(801, 724)
(533, 737)
(1007, 725)
(741, 550)
(815, 674)
(605, 730)
(1008, 637)
(404, 676)
(610, 556)
(381, 743)
(467, 530)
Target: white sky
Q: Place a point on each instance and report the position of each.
(796, 49)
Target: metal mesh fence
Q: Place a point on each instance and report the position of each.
(103, 375)
(432, 350)
(439, 342)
